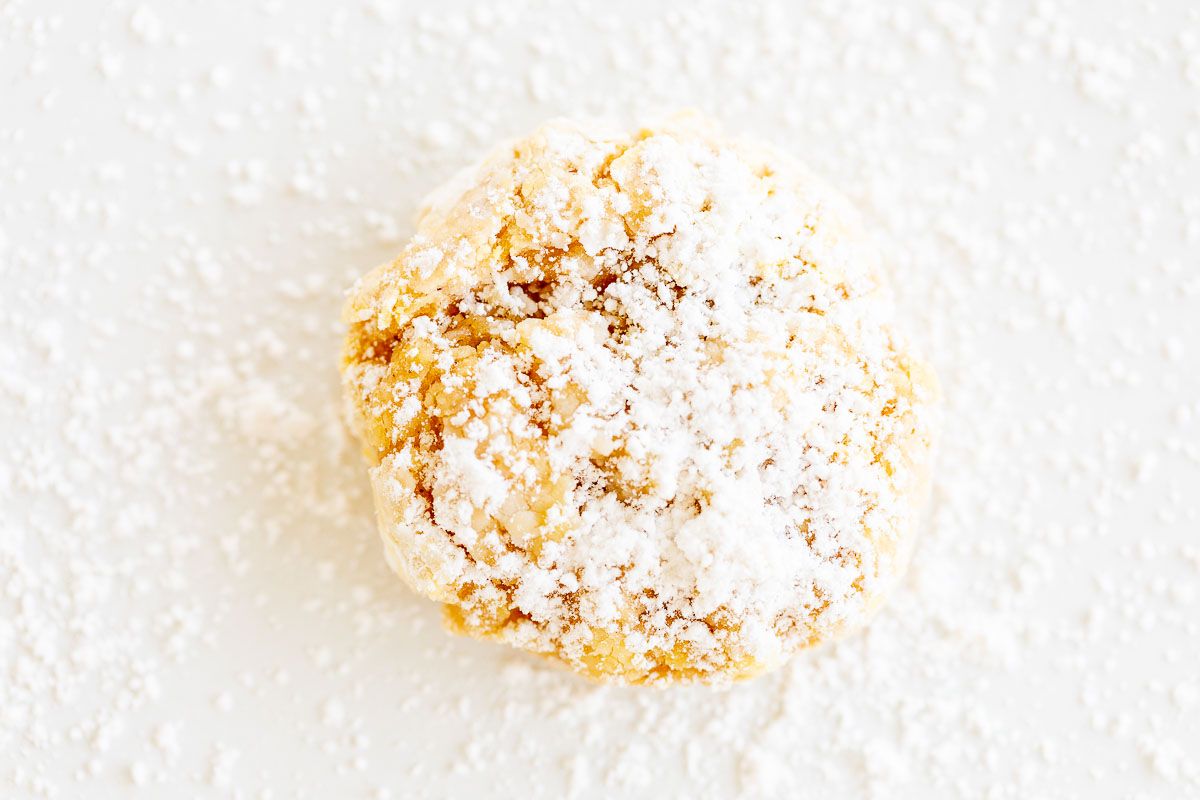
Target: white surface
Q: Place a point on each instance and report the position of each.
(192, 598)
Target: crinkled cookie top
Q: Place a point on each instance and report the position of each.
(632, 401)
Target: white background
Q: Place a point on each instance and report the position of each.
(193, 602)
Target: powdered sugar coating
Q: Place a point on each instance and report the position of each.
(634, 401)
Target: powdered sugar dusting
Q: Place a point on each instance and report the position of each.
(647, 387)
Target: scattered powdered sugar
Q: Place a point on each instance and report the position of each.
(191, 596)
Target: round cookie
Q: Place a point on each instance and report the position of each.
(632, 400)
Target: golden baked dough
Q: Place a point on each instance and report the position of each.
(632, 401)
